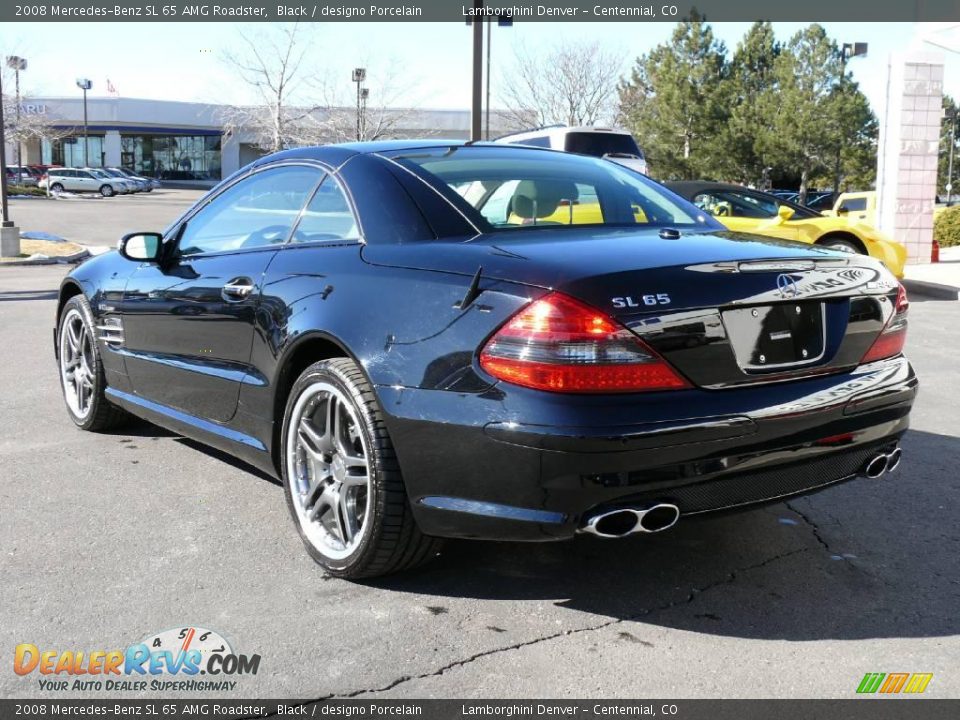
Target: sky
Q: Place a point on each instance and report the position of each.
(427, 64)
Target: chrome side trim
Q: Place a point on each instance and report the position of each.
(220, 370)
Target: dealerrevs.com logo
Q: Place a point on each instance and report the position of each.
(167, 661)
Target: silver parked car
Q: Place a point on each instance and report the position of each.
(121, 184)
(138, 185)
(150, 184)
(77, 180)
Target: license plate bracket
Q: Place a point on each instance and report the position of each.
(777, 337)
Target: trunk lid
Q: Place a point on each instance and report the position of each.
(723, 308)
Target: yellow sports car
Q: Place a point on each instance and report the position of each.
(760, 213)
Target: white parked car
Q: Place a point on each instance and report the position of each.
(81, 180)
(616, 145)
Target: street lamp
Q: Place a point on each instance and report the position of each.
(17, 64)
(364, 96)
(951, 115)
(9, 234)
(359, 75)
(847, 51)
(84, 84)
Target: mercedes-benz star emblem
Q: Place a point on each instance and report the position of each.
(787, 286)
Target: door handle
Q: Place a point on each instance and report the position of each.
(237, 289)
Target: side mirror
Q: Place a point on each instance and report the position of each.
(784, 212)
(843, 210)
(141, 246)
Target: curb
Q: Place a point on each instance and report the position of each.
(47, 260)
(931, 290)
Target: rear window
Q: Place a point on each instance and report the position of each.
(598, 144)
(512, 188)
(538, 141)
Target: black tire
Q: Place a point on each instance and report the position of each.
(391, 540)
(56, 188)
(101, 414)
(841, 245)
(106, 190)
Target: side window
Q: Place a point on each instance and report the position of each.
(327, 216)
(855, 204)
(257, 211)
(712, 204)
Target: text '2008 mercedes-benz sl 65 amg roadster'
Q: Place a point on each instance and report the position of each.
(427, 339)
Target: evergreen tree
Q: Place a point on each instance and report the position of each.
(673, 102)
(801, 106)
(750, 79)
(946, 134)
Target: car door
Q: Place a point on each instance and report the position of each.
(66, 178)
(189, 320)
(86, 182)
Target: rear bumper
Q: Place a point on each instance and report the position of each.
(516, 464)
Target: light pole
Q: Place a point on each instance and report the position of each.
(359, 75)
(9, 234)
(847, 51)
(476, 105)
(364, 95)
(84, 84)
(951, 115)
(17, 64)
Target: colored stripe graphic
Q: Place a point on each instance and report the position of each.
(894, 682)
(870, 682)
(918, 682)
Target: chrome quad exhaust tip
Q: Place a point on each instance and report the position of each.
(883, 463)
(628, 521)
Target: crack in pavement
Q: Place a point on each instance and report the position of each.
(691, 596)
(815, 529)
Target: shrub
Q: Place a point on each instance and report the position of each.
(24, 190)
(946, 227)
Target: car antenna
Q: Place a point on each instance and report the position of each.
(473, 292)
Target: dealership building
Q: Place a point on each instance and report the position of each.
(185, 142)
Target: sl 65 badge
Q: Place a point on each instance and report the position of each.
(648, 300)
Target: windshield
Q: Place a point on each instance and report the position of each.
(511, 188)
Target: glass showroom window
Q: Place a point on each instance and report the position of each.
(69, 151)
(173, 157)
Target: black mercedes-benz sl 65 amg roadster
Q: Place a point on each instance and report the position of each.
(429, 339)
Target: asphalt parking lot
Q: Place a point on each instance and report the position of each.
(109, 538)
(93, 220)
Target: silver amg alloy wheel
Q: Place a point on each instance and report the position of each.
(328, 470)
(76, 363)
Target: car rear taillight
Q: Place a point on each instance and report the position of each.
(894, 335)
(559, 344)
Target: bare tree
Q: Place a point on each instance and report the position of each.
(381, 114)
(24, 127)
(574, 83)
(273, 65)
